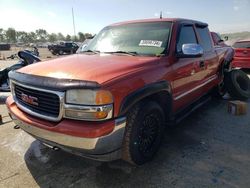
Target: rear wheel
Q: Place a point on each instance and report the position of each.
(144, 132)
(238, 84)
(220, 90)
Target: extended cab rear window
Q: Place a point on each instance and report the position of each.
(205, 38)
(242, 44)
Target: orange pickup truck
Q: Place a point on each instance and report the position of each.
(114, 99)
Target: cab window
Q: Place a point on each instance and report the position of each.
(186, 36)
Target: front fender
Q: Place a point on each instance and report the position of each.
(142, 93)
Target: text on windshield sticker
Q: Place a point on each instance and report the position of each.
(154, 43)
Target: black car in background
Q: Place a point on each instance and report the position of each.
(63, 48)
(4, 46)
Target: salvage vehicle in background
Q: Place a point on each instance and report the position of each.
(63, 47)
(83, 45)
(25, 58)
(114, 99)
(218, 41)
(242, 54)
(4, 46)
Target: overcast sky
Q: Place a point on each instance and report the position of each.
(91, 16)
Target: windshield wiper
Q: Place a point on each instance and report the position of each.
(91, 51)
(122, 52)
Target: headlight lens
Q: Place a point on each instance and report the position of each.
(91, 105)
(88, 97)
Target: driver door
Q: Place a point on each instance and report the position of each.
(188, 71)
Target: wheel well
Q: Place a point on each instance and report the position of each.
(224, 67)
(227, 65)
(164, 99)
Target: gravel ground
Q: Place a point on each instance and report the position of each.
(210, 148)
(45, 54)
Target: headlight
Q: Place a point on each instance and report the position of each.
(88, 97)
(91, 105)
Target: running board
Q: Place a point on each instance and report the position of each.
(191, 108)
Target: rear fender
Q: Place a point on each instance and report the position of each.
(229, 55)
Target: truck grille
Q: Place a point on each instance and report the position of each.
(40, 102)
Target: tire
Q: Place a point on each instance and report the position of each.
(238, 84)
(220, 90)
(144, 132)
(60, 52)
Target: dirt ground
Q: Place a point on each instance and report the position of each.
(43, 52)
(210, 148)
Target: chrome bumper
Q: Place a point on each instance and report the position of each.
(101, 148)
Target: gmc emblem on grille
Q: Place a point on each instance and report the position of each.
(29, 99)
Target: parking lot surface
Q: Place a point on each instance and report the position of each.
(210, 148)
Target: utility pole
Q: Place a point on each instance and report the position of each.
(74, 23)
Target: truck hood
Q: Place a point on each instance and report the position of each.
(99, 67)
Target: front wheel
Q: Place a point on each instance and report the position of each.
(144, 132)
(60, 52)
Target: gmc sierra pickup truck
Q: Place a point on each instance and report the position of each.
(114, 99)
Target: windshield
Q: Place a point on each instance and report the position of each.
(149, 38)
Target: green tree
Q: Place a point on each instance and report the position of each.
(60, 36)
(2, 35)
(11, 35)
(22, 36)
(32, 37)
(88, 35)
(68, 38)
(42, 35)
(74, 38)
(52, 37)
(81, 36)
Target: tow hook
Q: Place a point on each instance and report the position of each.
(16, 127)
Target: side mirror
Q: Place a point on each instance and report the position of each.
(226, 38)
(191, 51)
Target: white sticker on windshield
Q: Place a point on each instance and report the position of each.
(154, 43)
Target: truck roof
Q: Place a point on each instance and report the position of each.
(161, 20)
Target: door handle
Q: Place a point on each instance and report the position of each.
(202, 64)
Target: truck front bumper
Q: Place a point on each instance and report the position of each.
(93, 141)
